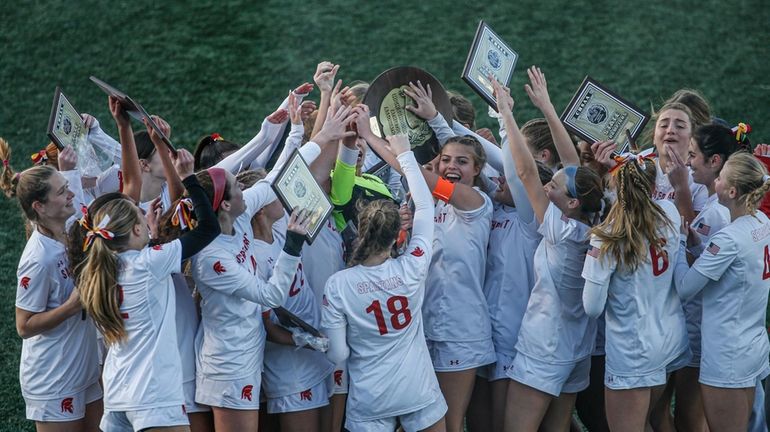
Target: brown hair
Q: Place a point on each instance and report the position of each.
(747, 175)
(462, 110)
(477, 152)
(209, 151)
(99, 291)
(634, 220)
(589, 190)
(378, 226)
(700, 109)
(539, 138)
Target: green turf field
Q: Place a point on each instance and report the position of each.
(222, 66)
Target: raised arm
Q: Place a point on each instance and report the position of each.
(324, 79)
(207, 228)
(423, 201)
(129, 158)
(525, 165)
(538, 94)
(174, 182)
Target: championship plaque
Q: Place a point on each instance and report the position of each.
(597, 114)
(134, 109)
(489, 55)
(387, 104)
(296, 187)
(66, 126)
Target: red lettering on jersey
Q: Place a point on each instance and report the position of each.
(306, 395)
(120, 181)
(219, 269)
(24, 282)
(338, 377)
(659, 261)
(246, 392)
(123, 315)
(295, 287)
(418, 252)
(66, 405)
(157, 247)
(766, 272)
(253, 263)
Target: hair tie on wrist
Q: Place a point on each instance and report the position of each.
(219, 180)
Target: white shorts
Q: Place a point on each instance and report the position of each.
(414, 421)
(650, 379)
(239, 394)
(312, 398)
(130, 421)
(64, 409)
(337, 383)
(747, 381)
(189, 399)
(550, 378)
(499, 369)
(460, 356)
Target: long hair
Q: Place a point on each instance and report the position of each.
(747, 175)
(634, 221)
(477, 153)
(462, 110)
(378, 226)
(539, 138)
(714, 139)
(211, 150)
(99, 291)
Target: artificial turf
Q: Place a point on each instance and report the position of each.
(211, 66)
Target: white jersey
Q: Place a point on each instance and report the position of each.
(734, 337)
(323, 258)
(165, 200)
(389, 365)
(509, 274)
(455, 307)
(645, 328)
(145, 370)
(186, 325)
(664, 190)
(288, 370)
(111, 180)
(64, 360)
(232, 295)
(555, 327)
(708, 222)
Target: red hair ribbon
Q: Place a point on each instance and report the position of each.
(182, 214)
(40, 157)
(740, 131)
(99, 230)
(6, 162)
(219, 179)
(217, 137)
(622, 159)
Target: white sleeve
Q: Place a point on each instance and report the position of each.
(34, 286)
(220, 271)
(441, 129)
(76, 186)
(332, 315)
(246, 154)
(421, 244)
(164, 259)
(338, 345)
(293, 141)
(493, 152)
(257, 196)
(98, 138)
(263, 158)
(310, 152)
(518, 192)
(597, 274)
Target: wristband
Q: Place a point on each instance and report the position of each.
(443, 190)
(294, 242)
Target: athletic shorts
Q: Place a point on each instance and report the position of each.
(499, 369)
(460, 356)
(337, 383)
(742, 382)
(238, 394)
(649, 379)
(414, 421)
(312, 398)
(550, 378)
(64, 409)
(130, 421)
(189, 399)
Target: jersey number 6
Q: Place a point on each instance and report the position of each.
(396, 311)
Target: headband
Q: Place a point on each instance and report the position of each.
(622, 159)
(219, 180)
(571, 171)
(6, 162)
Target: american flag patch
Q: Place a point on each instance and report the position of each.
(593, 252)
(713, 249)
(702, 229)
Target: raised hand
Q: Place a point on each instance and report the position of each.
(162, 125)
(294, 110)
(537, 90)
(405, 214)
(279, 116)
(184, 163)
(337, 121)
(154, 211)
(118, 112)
(762, 150)
(324, 75)
(487, 134)
(299, 221)
(89, 120)
(363, 126)
(398, 144)
(68, 159)
(337, 95)
(502, 97)
(676, 170)
(307, 108)
(423, 97)
(602, 151)
(303, 89)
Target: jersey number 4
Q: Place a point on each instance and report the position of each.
(400, 315)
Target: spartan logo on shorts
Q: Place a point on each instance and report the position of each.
(597, 113)
(24, 282)
(66, 405)
(246, 392)
(306, 395)
(338, 377)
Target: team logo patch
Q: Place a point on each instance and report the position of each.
(338, 377)
(157, 247)
(713, 248)
(306, 395)
(246, 392)
(66, 405)
(593, 252)
(702, 229)
(219, 269)
(24, 282)
(418, 252)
